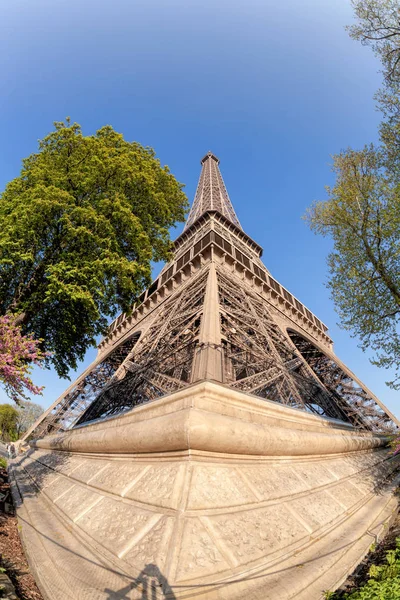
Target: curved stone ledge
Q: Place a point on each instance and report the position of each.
(213, 418)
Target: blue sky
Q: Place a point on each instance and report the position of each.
(272, 88)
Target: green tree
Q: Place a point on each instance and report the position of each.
(28, 413)
(362, 216)
(80, 226)
(378, 26)
(362, 213)
(8, 423)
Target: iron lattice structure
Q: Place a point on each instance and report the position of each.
(216, 313)
(211, 193)
(162, 362)
(65, 412)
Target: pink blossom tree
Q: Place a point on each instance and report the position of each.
(18, 354)
(396, 444)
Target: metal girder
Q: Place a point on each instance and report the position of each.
(211, 321)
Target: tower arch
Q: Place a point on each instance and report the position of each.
(352, 397)
(69, 407)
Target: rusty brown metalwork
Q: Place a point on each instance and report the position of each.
(216, 313)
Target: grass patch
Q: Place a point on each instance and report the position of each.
(3, 463)
(383, 582)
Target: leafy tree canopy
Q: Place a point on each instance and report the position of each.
(378, 26)
(28, 414)
(362, 213)
(8, 422)
(80, 226)
(362, 216)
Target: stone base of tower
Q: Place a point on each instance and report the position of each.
(207, 493)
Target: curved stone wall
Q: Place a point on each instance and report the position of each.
(285, 513)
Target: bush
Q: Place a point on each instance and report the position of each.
(384, 582)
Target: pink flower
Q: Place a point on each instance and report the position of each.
(18, 353)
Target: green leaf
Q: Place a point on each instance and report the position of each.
(80, 227)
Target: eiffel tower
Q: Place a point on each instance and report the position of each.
(216, 313)
(216, 448)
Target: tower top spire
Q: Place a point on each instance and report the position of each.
(211, 193)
